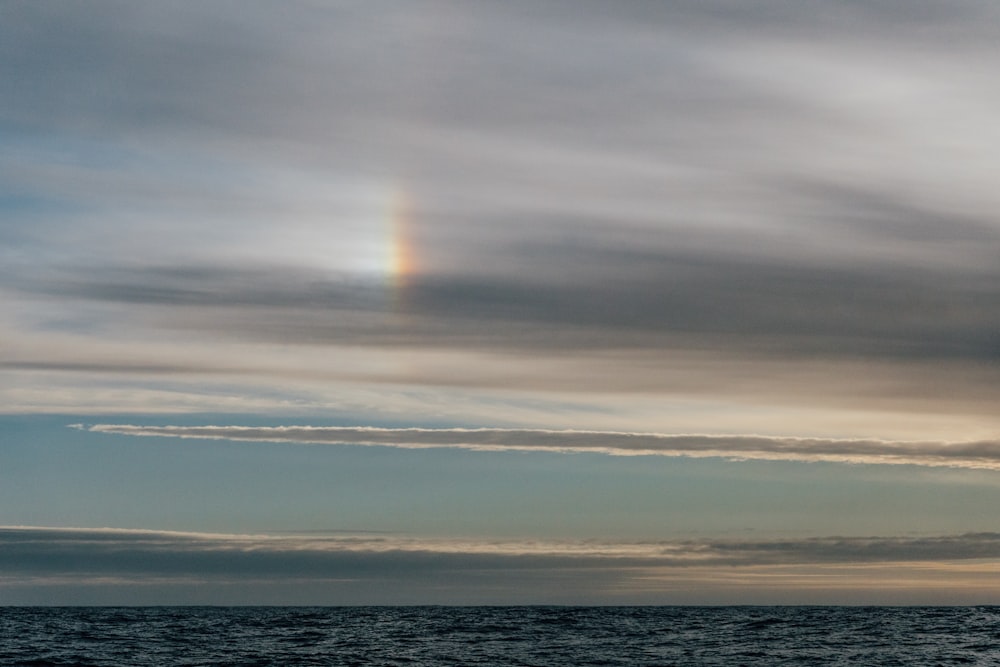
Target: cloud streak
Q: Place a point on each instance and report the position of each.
(624, 299)
(137, 550)
(398, 568)
(983, 454)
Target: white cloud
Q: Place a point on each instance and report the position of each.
(984, 454)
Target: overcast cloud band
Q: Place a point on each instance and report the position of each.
(21, 548)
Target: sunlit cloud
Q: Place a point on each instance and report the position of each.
(982, 454)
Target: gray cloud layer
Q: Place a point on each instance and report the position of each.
(787, 183)
(596, 298)
(32, 550)
(111, 566)
(983, 454)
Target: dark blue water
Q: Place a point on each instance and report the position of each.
(544, 636)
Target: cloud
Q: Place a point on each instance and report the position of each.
(365, 569)
(666, 217)
(583, 297)
(983, 454)
(692, 184)
(341, 554)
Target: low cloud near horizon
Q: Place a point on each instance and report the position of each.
(343, 569)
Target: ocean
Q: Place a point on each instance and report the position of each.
(543, 636)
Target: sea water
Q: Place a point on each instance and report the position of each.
(543, 636)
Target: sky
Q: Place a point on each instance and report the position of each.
(549, 302)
